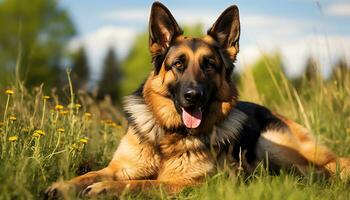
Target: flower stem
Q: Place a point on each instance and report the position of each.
(6, 108)
(43, 115)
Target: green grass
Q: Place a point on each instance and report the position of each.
(53, 143)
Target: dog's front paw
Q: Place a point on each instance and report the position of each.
(60, 189)
(106, 188)
(96, 189)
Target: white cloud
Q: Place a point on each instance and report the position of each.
(272, 26)
(247, 55)
(325, 50)
(183, 16)
(138, 15)
(266, 34)
(339, 9)
(98, 42)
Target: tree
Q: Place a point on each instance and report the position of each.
(80, 70)
(341, 71)
(111, 76)
(312, 71)
(311, 75)
(137, 65)
(36, 30)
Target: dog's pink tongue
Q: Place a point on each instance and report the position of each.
(192, 119)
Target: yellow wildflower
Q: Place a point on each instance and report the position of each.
(25, 129)
(77, 105)
(59, 107)
(13, 138)
(113, 124)
(64, 112)
(35, 134)
(83, 140)
(13, 118)
(87, 115)
(9, 92)
(61, 130)
(108, 122)
(74, 146)
(46, 97)
(119, 126)
(40, 132)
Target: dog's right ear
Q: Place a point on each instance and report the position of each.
(226, 31)
(163, 29)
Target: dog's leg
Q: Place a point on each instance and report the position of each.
(339, 166)
(132, 160)
(295, 146)
(66, 188)
(116, 188)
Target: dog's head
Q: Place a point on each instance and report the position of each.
(191, 84)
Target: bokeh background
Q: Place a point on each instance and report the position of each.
(105, 42)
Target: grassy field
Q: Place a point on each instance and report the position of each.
(43, 138)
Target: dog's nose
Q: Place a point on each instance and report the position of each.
(193, 95)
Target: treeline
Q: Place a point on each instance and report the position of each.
(267, 80)
(109, 84)
(340, 72)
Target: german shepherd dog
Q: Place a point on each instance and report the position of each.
(185, 121)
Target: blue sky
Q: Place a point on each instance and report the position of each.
(297, 28)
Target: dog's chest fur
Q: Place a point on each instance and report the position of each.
(185, 153)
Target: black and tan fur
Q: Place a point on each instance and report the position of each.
(159, 150)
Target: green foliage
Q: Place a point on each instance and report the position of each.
(312, 71)
(137, 64)
(268, 75)
(35, 32)
(341, 71)
(111, 77)
(194, 31)
(311, 74)
(80, 70)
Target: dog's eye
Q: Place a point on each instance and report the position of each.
(177, 64)
(208, 65)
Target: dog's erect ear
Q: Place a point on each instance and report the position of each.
(163, 29)
(226, 31)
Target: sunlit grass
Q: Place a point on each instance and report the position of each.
(42, 140)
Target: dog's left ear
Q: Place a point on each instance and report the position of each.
(226, 31)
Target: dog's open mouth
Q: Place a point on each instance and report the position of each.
(192, 117)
